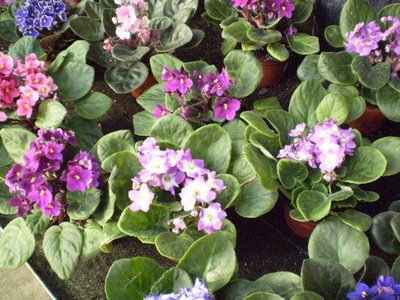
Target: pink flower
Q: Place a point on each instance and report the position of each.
(24, 108)
(8, 92)
(107, 45)
(6, 64)
(3, 116)
(29, 94)
(126, 16)
(33, 64)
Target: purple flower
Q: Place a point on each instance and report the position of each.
(78, 179)
(364, 38)
(171, 180)
(248, 4)
(176, 81)
(52, 209)
(226, 108)
(53, 150)
(215, 84)
(298, 130)
(362, 292)
(14, 177)
(23, 205)
(211, 218)
(386, 288)
(160, 111)
(42, 195)
(191, 167)
(281, 8)
(291, 31)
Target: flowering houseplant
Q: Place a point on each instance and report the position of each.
(368, 66)
(129, 30)
(35, 93)
(270, 26)
(197, 91)
(54, 188)
(314, 163)
(205, 268)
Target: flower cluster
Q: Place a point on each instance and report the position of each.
(198, 292)
(6, 2)
(42, 178)
(195, 92)
(170, 170)
(132, 23)
(37, 16)
(266, 10)
(23, 84)
(376, 42)
(325, 147)
(386, 288)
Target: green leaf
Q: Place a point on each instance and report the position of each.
(396, 269)
(330, 280)
(143, 122)
(303, 11)
(17, 244)
(93, 106)
(17, 141)
(254, 200)
(355, 103)
(305, 101)
(152, 97)
(213, 144)
(365, 196)
(237, 30)
(344, 193)
(37, 222)
(374, 267)
(333, 106)
(173, 246)
(172, 281)
(278, 51)
(81, 205)
(87, 28)
(218, 9)
(306, 295)
(174, 37)
(256, 121)
(389, 146)
(62, 246)
(114, 142)
(5, 196)
(87, 132)
(260, 35)
(51, 114)
(282, 122)
(245, 71)
(171, 129)
(8, 30)
(263, 166)
(24, 46)
(160, 61)
(231, 192)
(125, 53)
(355, 219)
(365, 166)
(285, 284)
(77, 52)
(335, 242)
(371, 76)
(304, 44)
(336, 67)
(160, 23)
(334, 36)
(236, 129)
(132, 278)
(383, 234)
(125, 77)
(308, 69)
(263, 296)
(313, 205)
(211, 258)
(291, 173)
(388, 100)
(144, 225)
(390, 10)
(93, 239)
(354, 12)
(65, 78)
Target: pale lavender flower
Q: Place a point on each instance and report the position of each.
(299, 130)
(196, 191)
(141, 198)
(364, 39)
(179, 225)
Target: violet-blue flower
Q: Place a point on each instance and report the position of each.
(199, 291)
(385, 288)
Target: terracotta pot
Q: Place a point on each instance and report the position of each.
(370, 122)
(301, 229)
(273, 72)
(150, 81)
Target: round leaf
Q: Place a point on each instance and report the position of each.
(291, 173)
(93, 106)
(231, 191)
(171, 129)
(160, 61)
(355, 219)
(306, 295)
(354, 12)
(87, 28)
(390, 147)
(218, 9)
(172, 281)
(278, 51)
(304, 44)
(81, 205)
(335, 242)
(245, 72)
(62, 246)
(336, 67)
(263, 296)
(211, 258)
(308, 69)
(334, 36)
(16, 141)
(17, 244)
(371, 76)
(114, 142)
(333, 106)
(50, 114)
(383, 234)
(173, 246)
(125, 77)
(313, 205)
(24, 46)
(388, 100)
(213, 144)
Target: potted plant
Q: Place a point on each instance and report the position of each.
(314, 162)
(270, 29)
(125, 33)
(196, 276)
(55, 188)
(367, 67)
(36, 93)
(197, 91)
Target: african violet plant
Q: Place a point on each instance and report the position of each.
(205, 267)
(39, 94)
(271, 26)
(55, 190)
(196, 91)
(36, 18)
(368, 67)
(129, 30)
(314, 162)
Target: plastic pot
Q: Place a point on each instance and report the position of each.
(301, 229)
(273, 72)
(370, 122)
(149, 82)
